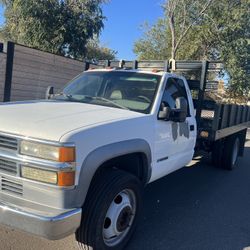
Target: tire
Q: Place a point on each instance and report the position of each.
(111, 209)
(231, 152)
(217, 153)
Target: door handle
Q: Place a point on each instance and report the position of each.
(191, 127)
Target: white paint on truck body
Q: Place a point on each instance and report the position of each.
(92, 126)
(98, 133)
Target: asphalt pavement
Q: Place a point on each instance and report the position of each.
(195, 208)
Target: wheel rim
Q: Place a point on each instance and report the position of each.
(235, 150)
(119, 217)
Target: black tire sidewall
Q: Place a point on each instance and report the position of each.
(233, 164)
(108, 191)
(217, 153)
(228, 153)
(110, 198)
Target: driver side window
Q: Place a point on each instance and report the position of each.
(174, 88)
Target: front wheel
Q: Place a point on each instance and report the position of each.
(111, 211)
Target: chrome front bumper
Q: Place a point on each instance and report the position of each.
(49, 226)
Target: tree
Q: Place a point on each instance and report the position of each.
(182, 16)
(61, 27)
(233, 34)
(155, 43)
(197, 30)
(96, 52)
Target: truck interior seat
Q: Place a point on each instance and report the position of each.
(116, 94)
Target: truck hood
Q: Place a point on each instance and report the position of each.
(50, 120)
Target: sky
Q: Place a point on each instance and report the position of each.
(123, 24)
(1, 14)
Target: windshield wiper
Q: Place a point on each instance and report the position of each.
(71, 98)
(64, 95)
(109, 101)
(68, 96)
(98, 98)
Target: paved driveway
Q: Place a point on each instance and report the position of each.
(198, 208)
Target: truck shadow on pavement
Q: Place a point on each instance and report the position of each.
(201, 208)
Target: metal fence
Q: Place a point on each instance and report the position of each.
(25, 73)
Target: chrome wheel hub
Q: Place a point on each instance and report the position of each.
(119, 217)
(124, 219)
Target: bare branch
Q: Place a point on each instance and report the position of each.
(191, 25)
(184, 16)
(171, 6)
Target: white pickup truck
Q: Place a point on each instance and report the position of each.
(78, 162)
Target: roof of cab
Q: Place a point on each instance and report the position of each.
(160, 73)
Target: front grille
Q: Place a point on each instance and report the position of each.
(11, 186)
(7, 166)
(7, 142)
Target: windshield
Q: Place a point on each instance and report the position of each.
(127, 90)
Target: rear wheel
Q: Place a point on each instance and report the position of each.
(111, 211)
(217, 153)
(231, 152)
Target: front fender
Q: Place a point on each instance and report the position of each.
(100, 155)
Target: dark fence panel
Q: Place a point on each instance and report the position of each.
(2, 71)
(26, 73)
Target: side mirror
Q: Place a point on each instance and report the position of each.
(164, 113)
(181, 111)
(49, 92)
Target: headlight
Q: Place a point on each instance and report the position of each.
(48, 152)
(51, 177)
(39, 175)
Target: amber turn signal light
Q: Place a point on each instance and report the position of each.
(66, 179)
(67, 154)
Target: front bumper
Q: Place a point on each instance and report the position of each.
(51, 226)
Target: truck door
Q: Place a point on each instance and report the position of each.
(174, 141)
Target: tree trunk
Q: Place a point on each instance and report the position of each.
(177, 41)
(172, 28)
